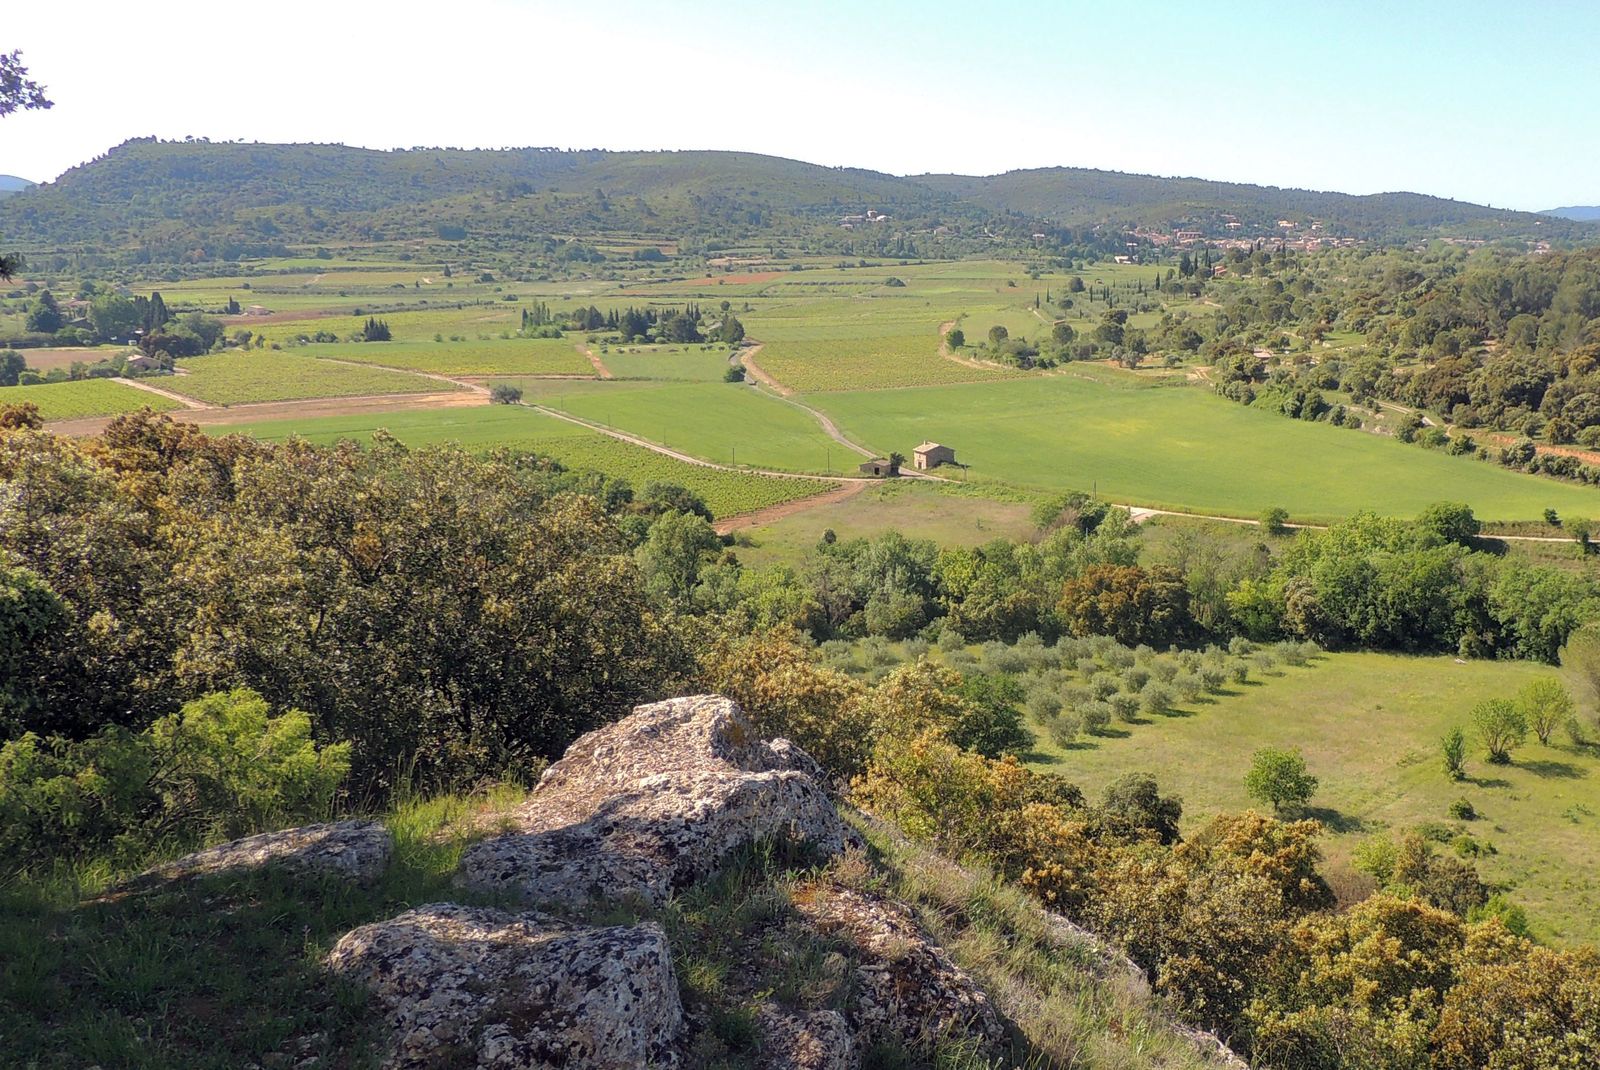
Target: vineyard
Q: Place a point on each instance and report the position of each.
(868, 364)
(85, 398)
(515, 356)
(726, 493)
(267, 375)
(489, 426)
(720, 422)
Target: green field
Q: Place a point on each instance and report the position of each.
(918, 509)
(84, 398)
(498, 356)
(727, 423)
(1370, 725)
(690, 364)
(267, 375)
(1183, 448)
(484, 427)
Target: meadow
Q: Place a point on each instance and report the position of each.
(728, 423)
(85, 398)
(242, 378)
(951, 516)
(486, 427)
(1181, 447)
(1369, 725)
(497, 356)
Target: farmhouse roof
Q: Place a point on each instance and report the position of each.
(926, 446)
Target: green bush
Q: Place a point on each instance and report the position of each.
(223, 765)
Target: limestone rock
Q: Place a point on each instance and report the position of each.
(466, 986)
(907, 988)
(651, 803)
(816, 1041)
(356, 850)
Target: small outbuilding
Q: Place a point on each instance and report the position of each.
(932, 455)
(879, 467)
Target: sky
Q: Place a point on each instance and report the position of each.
(1486, 102)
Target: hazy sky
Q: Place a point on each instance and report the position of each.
(1489, 102)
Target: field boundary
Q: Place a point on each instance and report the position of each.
(182, 399)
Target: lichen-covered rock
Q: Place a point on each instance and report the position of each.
(819, 1040)
(907, 988)
(466, 986)
(356, 850)
(651, 803)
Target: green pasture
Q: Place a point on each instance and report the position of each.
(496, 356)
(950, 516)
(728, 423)
(85, 398)
(1178, 447)
(1370, 725)
(689, 364)
(240, 378)
(487, 426)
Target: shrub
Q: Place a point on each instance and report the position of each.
(1273, 520)
(1454, 749)
(505, 394)
(222, 765)
(1545, 706)
(1104, 684)
(1463, 810)
(1279, 777)
(1095, 715)
(1500, 725)
(1239, 672)
(1156, 698)
(1136, 677)
(1064, 729)
(1124, 706)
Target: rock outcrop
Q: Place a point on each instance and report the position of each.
(651, 803)
(467, 986)
(354, 850)
(819, 1040)
(908, 991)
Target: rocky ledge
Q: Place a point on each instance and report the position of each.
(466, 986)
(652, 803)
(353, 850)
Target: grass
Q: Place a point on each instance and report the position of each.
(226, 971)
(866, 363)
(215, 973)
(666, 362)
(917, 510)
(1370, 726)
(727, 423)
(266, 375)
(85, 398)
(1183, 448)
(498, 356)
(485, 427)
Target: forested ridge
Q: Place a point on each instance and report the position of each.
(171, 201)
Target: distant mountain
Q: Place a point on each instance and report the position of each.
(1075, 196)
(194, 201)
(10, 184)
(1585, 213)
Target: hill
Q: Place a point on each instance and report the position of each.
(10, 184)
(171, 202)
(1073, 196)
(1585, 213)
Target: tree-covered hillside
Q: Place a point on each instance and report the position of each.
(149, 201)
(1076, 196)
